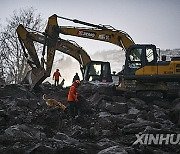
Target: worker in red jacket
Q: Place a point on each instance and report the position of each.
(56, 76)
(73, 98)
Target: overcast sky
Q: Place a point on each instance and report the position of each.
(146, 21)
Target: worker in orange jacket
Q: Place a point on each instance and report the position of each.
(56, 76)
(73, 98)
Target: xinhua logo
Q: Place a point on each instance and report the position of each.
(158, 139)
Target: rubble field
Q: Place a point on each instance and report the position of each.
(107, 123)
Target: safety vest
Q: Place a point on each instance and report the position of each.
(72, 95)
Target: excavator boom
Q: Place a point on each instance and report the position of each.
(97, 32)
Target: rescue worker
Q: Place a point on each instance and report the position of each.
(76, 77)
(56, 76)
(73, 99)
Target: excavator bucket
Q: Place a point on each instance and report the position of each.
(35, 77)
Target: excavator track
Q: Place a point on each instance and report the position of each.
(152, 91)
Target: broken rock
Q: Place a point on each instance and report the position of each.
(117, 108)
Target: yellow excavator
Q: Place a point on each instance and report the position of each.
(41, 69)
(143, 69)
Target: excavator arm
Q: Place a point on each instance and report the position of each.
(38, 73)
(95, 32)
(68, 47)
(105, 35)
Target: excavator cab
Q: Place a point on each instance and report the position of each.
(139, 56)
(98, 71)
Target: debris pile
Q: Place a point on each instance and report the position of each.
(107, 123)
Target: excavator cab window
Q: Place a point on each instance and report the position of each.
(138, 56)
(150, 59)
(98, 71)
(135, 58)
(95, 72)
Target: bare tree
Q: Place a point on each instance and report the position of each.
(1, 68)
(13, 61)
